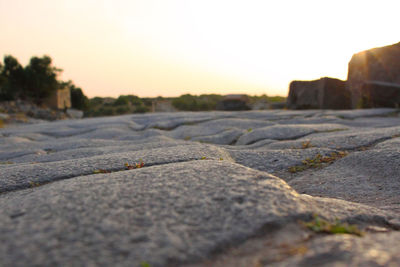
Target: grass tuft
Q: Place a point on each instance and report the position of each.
(318, 161)
(134, 165)
(320, 225)
(144, 264)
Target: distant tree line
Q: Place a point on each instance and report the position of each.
(39, 79)
(124, 104)
(205, 102)
(35, 82)
(190, 102)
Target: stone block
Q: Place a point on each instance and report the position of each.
(378, 64)
(379, 94)
(325, 93)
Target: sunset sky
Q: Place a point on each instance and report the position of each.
(172, 47)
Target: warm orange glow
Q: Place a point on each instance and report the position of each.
(171, 47)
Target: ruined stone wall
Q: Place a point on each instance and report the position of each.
(59, 99)
(378, 64)
(324, 93)
(304, 94)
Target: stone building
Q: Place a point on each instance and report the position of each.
(59, 99)
(376, 65)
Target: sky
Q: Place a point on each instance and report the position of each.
(167, 48)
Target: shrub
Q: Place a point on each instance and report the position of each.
(141, 109)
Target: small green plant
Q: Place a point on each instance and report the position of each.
(318, 161)
(101, 171)
(320, 225)
(6, 162)
(249, 130)
(221, 159)
(203, 158)
(297, 168)
(34, 184)
(187, 138)
(134, 165)
(144, 264)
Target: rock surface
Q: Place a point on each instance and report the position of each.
(380, 64)
(202, 189)
(16, 112)
(380, 94)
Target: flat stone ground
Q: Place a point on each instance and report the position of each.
(202, 189)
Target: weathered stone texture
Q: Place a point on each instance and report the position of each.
(379, 64)
(325, 93)
(71, 193)
(380, 94)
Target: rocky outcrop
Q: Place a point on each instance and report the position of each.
(325, 93)
(379, 64)
(23, 111)
(270, 188)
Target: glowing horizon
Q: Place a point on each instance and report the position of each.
(172, 47)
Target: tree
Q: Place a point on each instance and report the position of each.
(41, 78)
(12, 79)
(122, 101)
(2, 80)
(128, 100)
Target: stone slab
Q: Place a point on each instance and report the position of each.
(204, 199)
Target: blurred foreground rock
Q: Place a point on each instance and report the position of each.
(203, 189)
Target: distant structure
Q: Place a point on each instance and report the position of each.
(234, 102)
(59, 99)
(325, 93)
(162, 106)
(373, 80)
(369, 68)
(260, 105)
